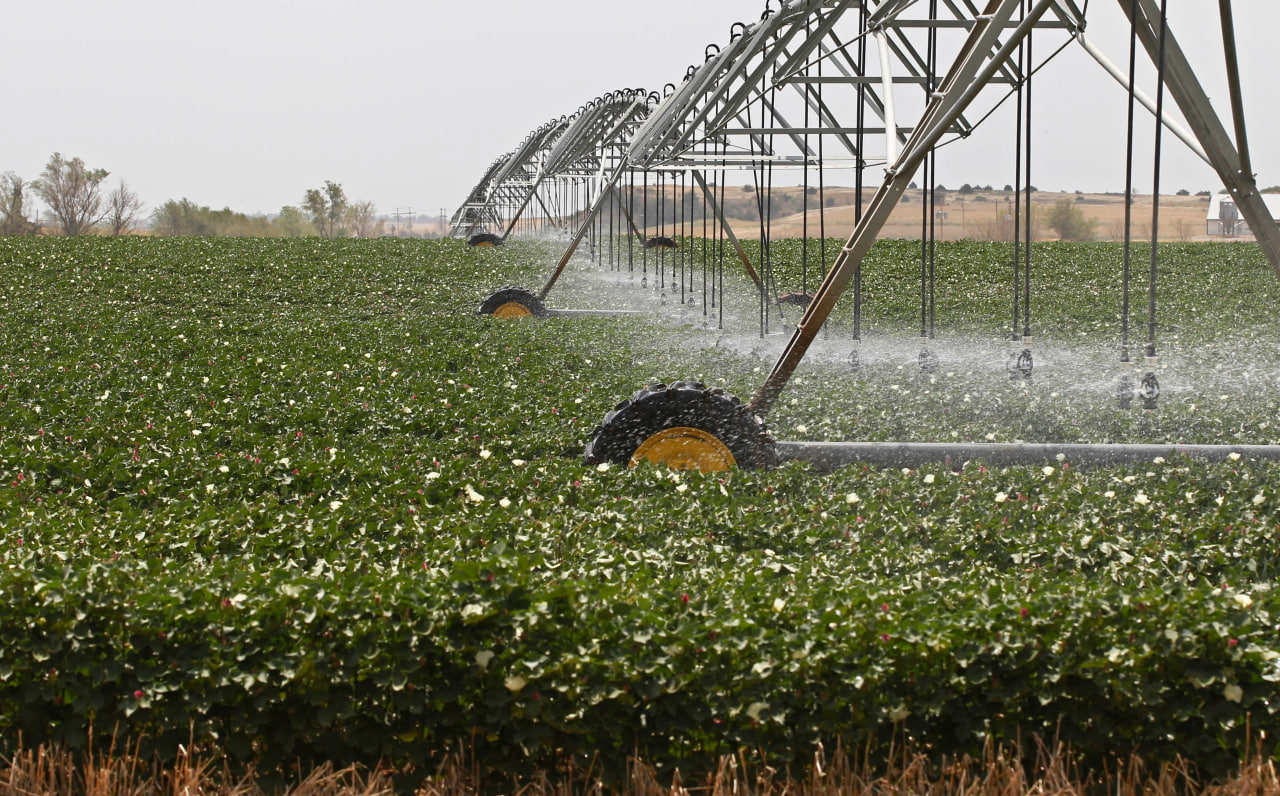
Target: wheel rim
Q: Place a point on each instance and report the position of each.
(512, 309)
(485, 244)
(684, 448)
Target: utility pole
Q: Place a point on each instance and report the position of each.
(401, 214)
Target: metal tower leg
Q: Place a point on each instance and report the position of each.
(1209, 129)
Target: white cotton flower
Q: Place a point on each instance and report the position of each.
(518, 462)
(1158, 460)
(801, 429)
(1259, 499)
(779, 604)
(682, 488)
(431, 476)
(485, 453)
(1142, 499)
(505, 503)
(483, 657)
(1002, 497)
(209, 488)
(195, 432)
(1243, 600)
(222, 468)
(1109, 494)
(514, 683)
(603, 467)
(1233, 693)
(473, 495)
(1048, 471)
(334, 505)
(1233, 456)
(852, 498)
(928, 479)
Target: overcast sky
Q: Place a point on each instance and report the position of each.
(406, 102)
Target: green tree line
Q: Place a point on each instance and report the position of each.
(78, 205)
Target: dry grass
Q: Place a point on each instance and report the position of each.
(1000, 772)
(57, 772)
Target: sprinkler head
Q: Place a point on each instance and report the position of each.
(928, 361)
(644, 282)
(1020, 365)
(855, 361)
(662, 300)
(1124, 392)
(1149, 391)
(1024, 365)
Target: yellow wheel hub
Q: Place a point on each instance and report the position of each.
(484, 245)
(512, 309)
(683, 448)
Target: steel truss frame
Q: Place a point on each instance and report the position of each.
(765, 100)
(570, 153)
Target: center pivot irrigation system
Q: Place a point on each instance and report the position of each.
(817, 85)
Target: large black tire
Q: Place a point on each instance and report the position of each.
(512, 302)
(682, 426)
(484, 239)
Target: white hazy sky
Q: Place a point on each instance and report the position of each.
(406, 102)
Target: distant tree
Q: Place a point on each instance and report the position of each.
(292, 223)
(966, 188)
(73, 193)
(1070, 222)
(181, 218)
(362, 221)
(123, 207)
(1206, 193)
(328, 209)
(1272, 189)
(13, 212)
(1183, 192)
(1008, 188)
(911, 186)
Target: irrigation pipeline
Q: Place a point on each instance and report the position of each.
(827, 456)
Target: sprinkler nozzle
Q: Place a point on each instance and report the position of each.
(928, 361)
(1149, 391)
(1124, 391)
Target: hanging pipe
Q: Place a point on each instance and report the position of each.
(1025, 361)
(1149, 389)
(1125, 387)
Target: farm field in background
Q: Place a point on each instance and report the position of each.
(294, 500)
